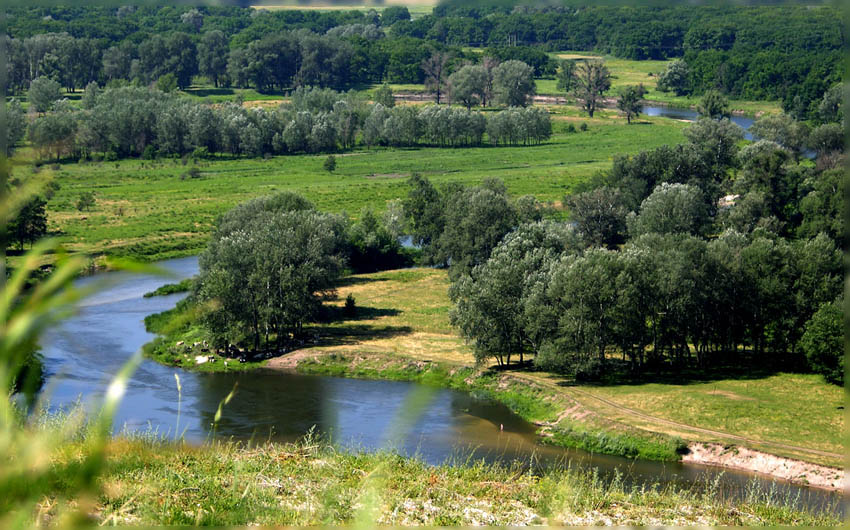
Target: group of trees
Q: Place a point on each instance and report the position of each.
(272, 261)
(694, 256)
(145, 122)
(750, 52)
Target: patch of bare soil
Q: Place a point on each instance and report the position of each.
(776, 466)
(730, 395)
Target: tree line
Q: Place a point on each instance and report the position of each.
(754, 52)
(129, 121)
(697, 256)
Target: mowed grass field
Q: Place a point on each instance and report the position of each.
(795, 408)
(152, 209)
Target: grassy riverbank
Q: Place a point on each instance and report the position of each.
(150, 482)
(401, 331)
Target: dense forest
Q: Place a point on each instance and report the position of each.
(792, 54)
(695, 256)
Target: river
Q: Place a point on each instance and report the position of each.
(84, 352)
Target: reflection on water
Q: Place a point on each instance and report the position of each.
(85, 351)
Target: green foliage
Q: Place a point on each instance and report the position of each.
(85, 201)
(43, 93)
(591, 80)
(30, 224)
(167, 83)
(823, 342)
(783, 130)
(599, 215)
(566, 75)
(630, 101)
(384, 96)
(496, 291)
(671, 209)
(675, 78)
(329, 164)
(267, 267)
(826, 138)
(182, 286)
(469, 85)
(350, 307)
(513, 82)
(714, 105)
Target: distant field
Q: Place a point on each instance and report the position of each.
(627, 72)
(416, 8)
(147, 210)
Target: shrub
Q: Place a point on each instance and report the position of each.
(330, 164)
(350, 306)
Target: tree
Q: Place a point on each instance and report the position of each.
(630, 101)
(476, 219)
(782, 129)
(330, 164)
(16, 125)
(513, 82)
(592, 80)
(823, 342)
(118, 60)
(269, 264)
(675, 78)
(392, 14)
(30, 224)
(830, 107)
(671, 209)
(714, 105)
(490, 302)
(718, 139)
(384, 96)
(43, 93)
(436, 71)
(583, 294)
(193, 19)
(212, 56)
(566, 75)
(424, 210)
(600, 216)
(167, 83)
(489, 64)
(468, 85)
(85, 201)
(826, 139)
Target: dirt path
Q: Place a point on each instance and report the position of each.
(719, 434)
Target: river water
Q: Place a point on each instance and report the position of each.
(84, 352)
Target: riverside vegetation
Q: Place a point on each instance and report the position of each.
(748, 236)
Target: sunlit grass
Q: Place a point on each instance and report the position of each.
(153, 210)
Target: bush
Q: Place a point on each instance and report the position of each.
(149, 153)
(330, 164)
(583, 126)
(85, 201)
(823, 343)
(350, 306)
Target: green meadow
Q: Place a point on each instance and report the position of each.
(154, 209)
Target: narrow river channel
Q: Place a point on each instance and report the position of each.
(84, 352)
